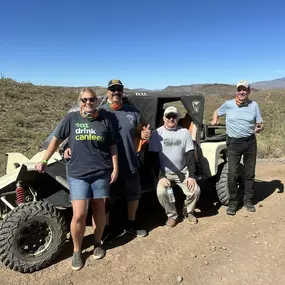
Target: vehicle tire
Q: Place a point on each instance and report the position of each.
(222, 187)
(31, 236)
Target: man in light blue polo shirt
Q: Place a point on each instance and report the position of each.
(243, 121)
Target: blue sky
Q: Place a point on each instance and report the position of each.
(146, 44)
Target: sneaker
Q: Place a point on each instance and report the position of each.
(232, 209)
(137, 233)
(77, 262)
(249, 206)
(191, 219)
(99, 252)
(171, 223)
(107, 235)
(132, 229)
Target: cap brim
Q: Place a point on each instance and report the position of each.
(119, 85)
(171, 113)
(243, 86)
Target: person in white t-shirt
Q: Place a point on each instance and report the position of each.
(175, 150)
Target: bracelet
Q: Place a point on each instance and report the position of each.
(44, 161)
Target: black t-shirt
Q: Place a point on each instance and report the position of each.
(89, 142)
(124, 121)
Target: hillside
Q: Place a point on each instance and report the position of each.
(275, 84)
(270, 84)
(29, 112)
(205, 89)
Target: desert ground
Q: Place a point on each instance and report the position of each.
(248, 248)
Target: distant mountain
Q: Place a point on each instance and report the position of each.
(141, 89)
(205, 89)
(270, 84)
(226, 89)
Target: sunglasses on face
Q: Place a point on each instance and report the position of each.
(116, 89)
(171, 116)
(91, 100)
(242, 89)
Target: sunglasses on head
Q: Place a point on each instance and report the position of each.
(119, 89)
(171, 116)
(85, 100)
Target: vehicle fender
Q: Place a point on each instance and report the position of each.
(211, 156)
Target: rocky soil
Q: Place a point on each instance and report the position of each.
(245, 249)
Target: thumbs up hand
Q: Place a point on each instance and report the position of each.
(146, 133)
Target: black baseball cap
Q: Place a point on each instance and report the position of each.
(115, 82)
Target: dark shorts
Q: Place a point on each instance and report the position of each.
(128, 186)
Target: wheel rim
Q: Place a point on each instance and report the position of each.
(35, 238)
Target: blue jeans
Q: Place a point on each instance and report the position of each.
(95, 187)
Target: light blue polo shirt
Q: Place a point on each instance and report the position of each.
(240, 121)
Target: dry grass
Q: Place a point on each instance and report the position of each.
(29, 112)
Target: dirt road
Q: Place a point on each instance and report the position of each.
(245, 249)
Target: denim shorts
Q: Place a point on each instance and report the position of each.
(95, 187)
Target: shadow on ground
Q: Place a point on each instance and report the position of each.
(151, 215)
(263, 189)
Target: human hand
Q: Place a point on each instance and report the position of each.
(164, 182)
(191, 183)
(215, 122)
(67, 153)
(146, 132)
(114, 175)
(258, 128)
(40, 167)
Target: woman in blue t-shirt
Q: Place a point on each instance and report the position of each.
(243, 121)
(91, 169)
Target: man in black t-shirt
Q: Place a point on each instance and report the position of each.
(126, 123)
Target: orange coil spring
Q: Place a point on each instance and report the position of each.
(20, 195)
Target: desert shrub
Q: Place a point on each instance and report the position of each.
(3, 163)
(38, 109)
(37, 106)
(19, 120)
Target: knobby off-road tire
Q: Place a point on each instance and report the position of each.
(31, 236)
(222, 183)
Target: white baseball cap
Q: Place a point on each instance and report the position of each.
(243, 83)
(171, 109)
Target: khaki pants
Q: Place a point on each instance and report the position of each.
(191, 196)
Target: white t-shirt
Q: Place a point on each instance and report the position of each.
(171, 146)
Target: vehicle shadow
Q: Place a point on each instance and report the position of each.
(151, 215)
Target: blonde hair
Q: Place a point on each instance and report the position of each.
(89, 90)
